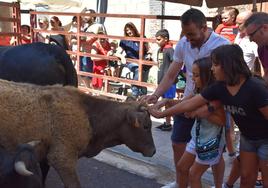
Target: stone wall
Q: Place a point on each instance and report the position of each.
(156, 8)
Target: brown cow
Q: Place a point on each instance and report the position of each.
(71, 124)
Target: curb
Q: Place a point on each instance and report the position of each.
(161, 174)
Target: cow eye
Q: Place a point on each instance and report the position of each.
(147, 122)
(147, 126)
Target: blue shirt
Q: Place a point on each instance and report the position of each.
(131, 48)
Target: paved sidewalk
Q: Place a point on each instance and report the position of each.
(164, 155)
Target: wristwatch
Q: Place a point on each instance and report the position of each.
(210, 107)
(155, 95)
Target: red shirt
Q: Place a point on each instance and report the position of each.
(99, 65)
(25, 40)
(227, 31)
(5, 40)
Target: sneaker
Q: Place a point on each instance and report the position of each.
(160, 126)
(225, 185)
(171, 185)
(166, 127)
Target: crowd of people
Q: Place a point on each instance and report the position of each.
(122, 49)
(224, 86)
(125, 50)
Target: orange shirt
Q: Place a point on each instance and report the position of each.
(227, 31)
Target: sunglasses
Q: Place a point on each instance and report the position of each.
(254, 32)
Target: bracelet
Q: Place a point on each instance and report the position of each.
(155, 95)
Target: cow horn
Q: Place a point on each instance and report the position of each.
(20, 168)
(34, 143)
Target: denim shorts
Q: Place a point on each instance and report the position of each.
(181, 132)
(260, 147)
(228, 121)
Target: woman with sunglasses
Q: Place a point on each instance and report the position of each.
(43, 24)
(58, 39)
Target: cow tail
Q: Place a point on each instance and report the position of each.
(71, 75)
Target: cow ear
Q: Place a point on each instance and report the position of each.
(133, 118)
(136, 124)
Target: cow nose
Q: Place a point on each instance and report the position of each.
(150, 152)
(154, 151)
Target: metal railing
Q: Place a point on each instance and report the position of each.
(106, 79)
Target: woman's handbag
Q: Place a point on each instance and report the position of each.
(210, 149)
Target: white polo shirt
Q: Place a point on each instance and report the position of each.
(250, 50)
(186, 54)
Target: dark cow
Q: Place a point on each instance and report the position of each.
(37, 63)
(21, 169)
(71, 124)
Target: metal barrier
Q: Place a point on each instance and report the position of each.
(78, 53)
(14, 19)
(106, 79)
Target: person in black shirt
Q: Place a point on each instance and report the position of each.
(57, 39)
(246, 98)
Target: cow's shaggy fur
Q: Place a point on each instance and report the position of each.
(70, 123)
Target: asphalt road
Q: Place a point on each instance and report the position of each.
(96, 174)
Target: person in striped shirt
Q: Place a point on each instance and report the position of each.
(228, 28)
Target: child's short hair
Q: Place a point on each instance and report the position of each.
(115, 42)
(27, 27)
(162, 33)
(232, 11)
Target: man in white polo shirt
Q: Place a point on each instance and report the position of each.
(250, 48)
(198, 42)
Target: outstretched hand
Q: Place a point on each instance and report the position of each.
(155, 110)
(150, 99)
